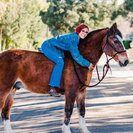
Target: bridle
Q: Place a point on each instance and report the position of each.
(107, 42)
(106, 67)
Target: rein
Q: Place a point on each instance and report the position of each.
(106, 67)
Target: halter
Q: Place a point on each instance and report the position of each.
(107, 42)
(106, 67)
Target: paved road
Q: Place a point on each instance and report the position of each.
(109, 108)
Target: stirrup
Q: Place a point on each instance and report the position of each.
(53, 92)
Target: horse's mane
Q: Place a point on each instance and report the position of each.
(91, 35)
(99, 30)
(95, 31)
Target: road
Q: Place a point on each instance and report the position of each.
(109, 107)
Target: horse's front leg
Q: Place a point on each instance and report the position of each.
(80, 100)
(69, 104)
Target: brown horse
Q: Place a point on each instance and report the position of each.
(33, 70)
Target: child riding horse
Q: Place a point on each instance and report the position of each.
(53, 49)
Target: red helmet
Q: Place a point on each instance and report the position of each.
(80, 27)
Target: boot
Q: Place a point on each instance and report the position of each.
(53, 92)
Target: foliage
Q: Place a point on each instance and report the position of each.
(20, 24)
(126, 10)
(128, 6)
(64, 16)
(58, 16)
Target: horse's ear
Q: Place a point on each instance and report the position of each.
(113, 28)
(115, 25)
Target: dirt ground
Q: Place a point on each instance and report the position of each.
(109, 107)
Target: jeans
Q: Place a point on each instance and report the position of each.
(52, 53)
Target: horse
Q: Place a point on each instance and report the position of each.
(32, 69)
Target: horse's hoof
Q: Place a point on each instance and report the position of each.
(66, 129)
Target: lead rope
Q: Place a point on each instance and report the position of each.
(106, 67)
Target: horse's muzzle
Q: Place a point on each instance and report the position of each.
(123, 64)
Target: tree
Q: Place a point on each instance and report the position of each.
(128, 6)
(20, 24)
(57, 16)
(125, 10)
(63, 16)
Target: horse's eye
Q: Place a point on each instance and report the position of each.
(116, 41)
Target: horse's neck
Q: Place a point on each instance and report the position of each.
(91, 48)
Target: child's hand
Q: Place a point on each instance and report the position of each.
(91, 67)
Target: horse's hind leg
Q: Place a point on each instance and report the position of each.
(69, 104)
(6, 112)
(80, 100)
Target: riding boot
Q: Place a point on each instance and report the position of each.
(53, 92)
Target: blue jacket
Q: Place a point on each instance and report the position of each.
(69, 42)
